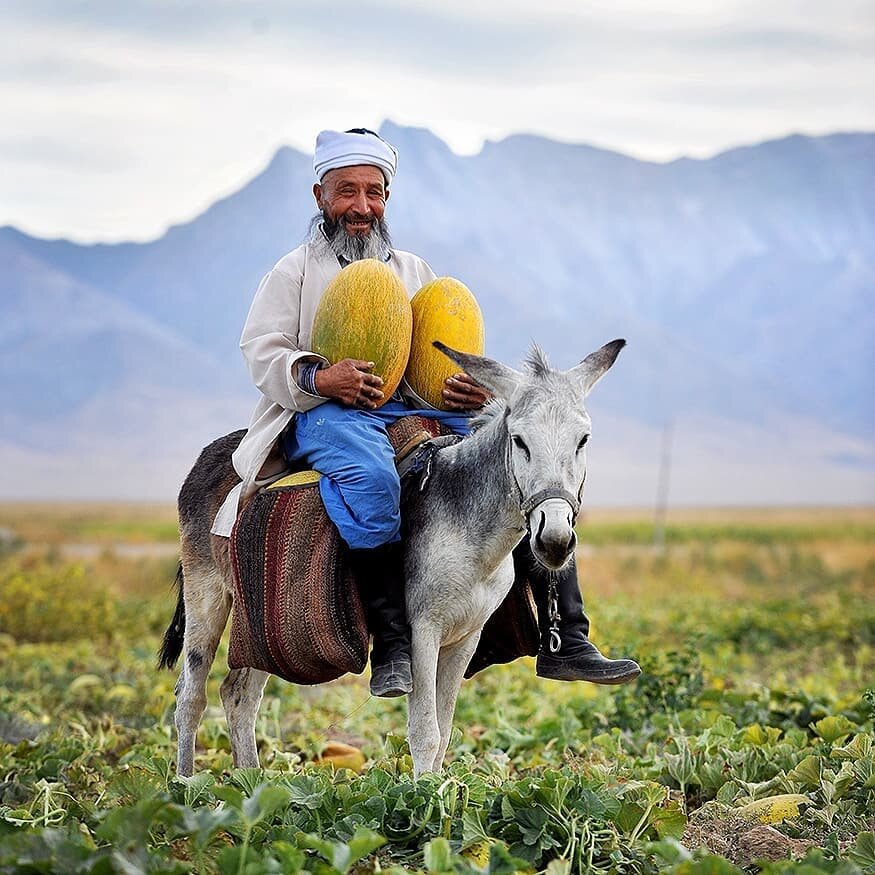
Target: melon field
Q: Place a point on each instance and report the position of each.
(747, 744)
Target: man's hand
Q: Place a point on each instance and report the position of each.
(462, 393)
(350, 383)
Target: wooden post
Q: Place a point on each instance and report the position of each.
(661, 507)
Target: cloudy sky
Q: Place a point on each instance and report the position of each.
(120, 117)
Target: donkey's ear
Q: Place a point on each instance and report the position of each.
(494, 376)
(593, 367)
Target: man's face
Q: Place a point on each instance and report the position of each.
(355, 197)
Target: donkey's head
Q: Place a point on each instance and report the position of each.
(548, 427)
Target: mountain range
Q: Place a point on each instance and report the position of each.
(743, 283)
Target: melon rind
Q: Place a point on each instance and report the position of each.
(365, 313)
(445, 310)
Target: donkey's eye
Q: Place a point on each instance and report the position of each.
(582, 443)
(521, 444)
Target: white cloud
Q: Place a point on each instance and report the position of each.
(122, 118)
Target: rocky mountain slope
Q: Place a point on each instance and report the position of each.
(743, 284)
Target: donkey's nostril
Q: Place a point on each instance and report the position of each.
(538, 535)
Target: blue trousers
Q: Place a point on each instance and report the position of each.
(351, 449)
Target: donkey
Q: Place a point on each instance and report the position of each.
(521, 470)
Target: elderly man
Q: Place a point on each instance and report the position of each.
(325, 414)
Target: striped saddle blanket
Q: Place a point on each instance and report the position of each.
(297, 611)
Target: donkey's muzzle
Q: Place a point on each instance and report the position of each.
(553, 540)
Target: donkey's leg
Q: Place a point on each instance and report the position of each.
(423, 732)
(207, 605)
(241, 695)
(451, 667)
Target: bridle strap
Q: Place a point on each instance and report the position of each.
(530, 503)
(527, 505)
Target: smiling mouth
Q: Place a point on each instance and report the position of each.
(356, 225)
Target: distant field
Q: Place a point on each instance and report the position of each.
(751, 525)
(107, 523)
(90, 522)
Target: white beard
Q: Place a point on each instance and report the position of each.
(348, 247)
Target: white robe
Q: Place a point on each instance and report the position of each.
(275, 339)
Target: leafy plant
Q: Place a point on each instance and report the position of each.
(753, 699)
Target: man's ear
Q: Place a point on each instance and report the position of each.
(317, 193)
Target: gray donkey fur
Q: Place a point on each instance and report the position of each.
(521, 469)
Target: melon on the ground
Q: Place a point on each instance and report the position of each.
(365, 313)
(341, 756)
(444, 310)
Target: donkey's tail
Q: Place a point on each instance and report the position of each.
(171, 647)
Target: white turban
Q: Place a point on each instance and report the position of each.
(345, 149)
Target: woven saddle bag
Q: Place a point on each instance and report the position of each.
(297, 611)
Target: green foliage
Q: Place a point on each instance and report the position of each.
(677, 534)
(670, 682)
(44, 602)
(754, 702)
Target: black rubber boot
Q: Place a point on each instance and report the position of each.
(566, 653)
(380, 575)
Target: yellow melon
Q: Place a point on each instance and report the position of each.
(341, 756)
(444, 310)
(365, 314)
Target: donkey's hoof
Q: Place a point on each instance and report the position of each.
(391, 679)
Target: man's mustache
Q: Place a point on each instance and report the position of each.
(331, 225)
(349, 242)
(358, 217)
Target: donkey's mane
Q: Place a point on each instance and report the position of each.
(536, 362)
(535, 365)
(491, 410)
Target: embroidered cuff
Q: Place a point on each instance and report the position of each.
(307, 377)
